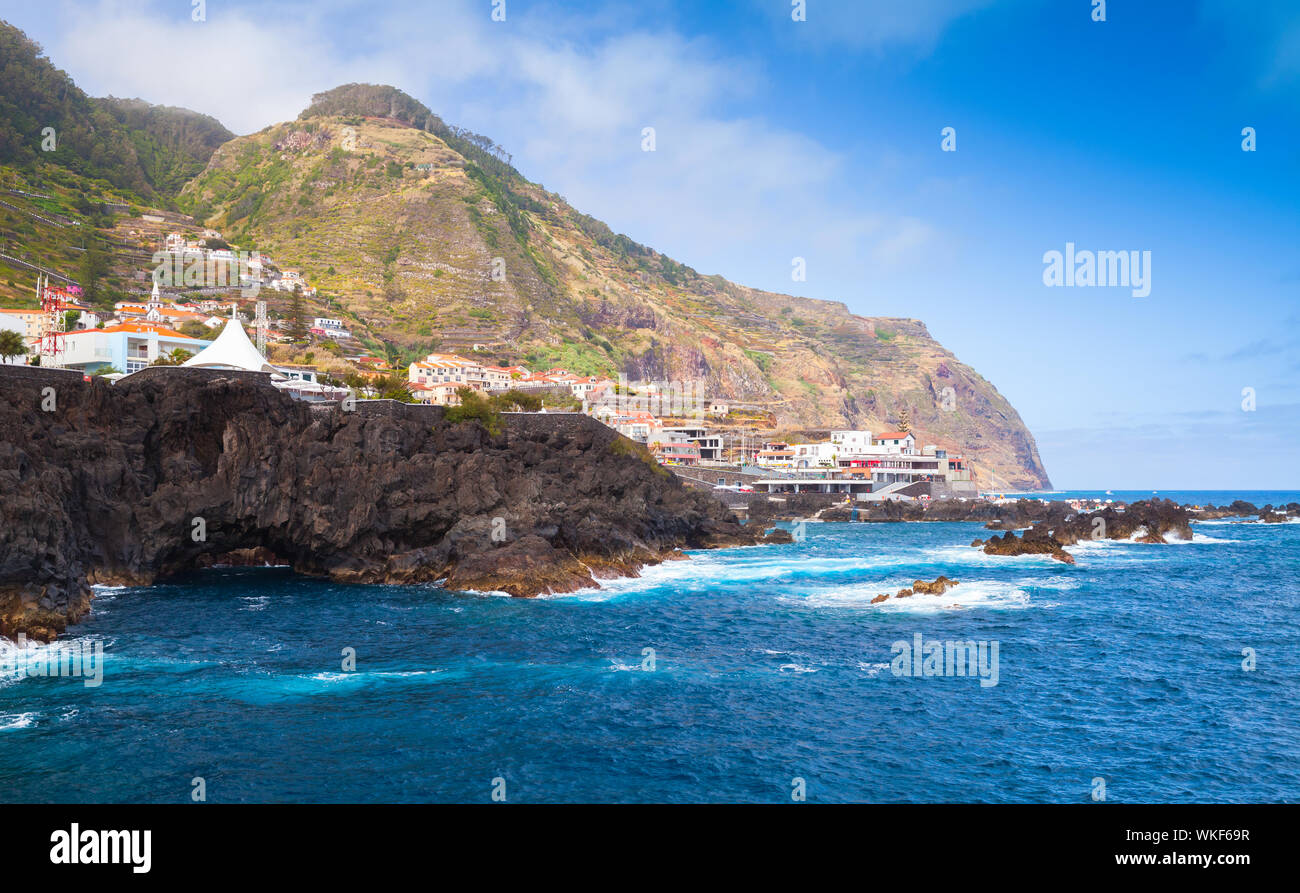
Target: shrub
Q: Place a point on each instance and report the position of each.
(515, 400)
(474, 407)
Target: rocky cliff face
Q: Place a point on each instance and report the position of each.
(399, 220)
(181, 469)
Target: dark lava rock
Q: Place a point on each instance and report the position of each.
(1149, 521)
(152, 477)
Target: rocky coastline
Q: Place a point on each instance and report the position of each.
(1030, 526)
(154, 477)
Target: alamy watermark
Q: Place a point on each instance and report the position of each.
(1099, 269)
(919, 658)
(676, 399)
(192, 269)
(76, 659)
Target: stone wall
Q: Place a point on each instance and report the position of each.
(526, 424)
(531, 424)
(195, 375)
(42, 375)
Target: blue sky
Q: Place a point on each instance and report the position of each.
(820, 139)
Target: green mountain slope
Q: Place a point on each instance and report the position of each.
(70, 164)
(400, 218)
(45, 118)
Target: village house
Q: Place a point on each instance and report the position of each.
(775, 454)
(296, 372)
(331, 328)
(440, 368)
(440, 394)
(902, 441)
(127, 347)
(28, 323)
(675, 452)
(708, 446)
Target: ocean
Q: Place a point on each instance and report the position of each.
(1143, 673)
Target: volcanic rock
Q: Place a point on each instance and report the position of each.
(176, 469)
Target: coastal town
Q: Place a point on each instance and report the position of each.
(710, 443)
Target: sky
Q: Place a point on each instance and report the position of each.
(823, 139)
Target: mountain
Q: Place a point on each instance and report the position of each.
(398, 217)
(425, 237)
(150, 151)
(71, 164)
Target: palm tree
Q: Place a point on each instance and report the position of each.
(177, 357)
(11, 345)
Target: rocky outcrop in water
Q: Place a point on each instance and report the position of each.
(164, 473)
(1031, 543)
(1155, 521)
(940, 585)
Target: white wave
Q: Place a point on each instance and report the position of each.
(796, 668)
(1202, 539)
(1246, 519)
(1172, 539)
(652, 576)
(967, 594)
(872, 669)
(62, 652)
(341, 678)
(961, 554)
(1053, 582)
(17, 720)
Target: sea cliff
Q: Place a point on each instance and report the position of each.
(172, 470)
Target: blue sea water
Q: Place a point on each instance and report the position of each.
(769, 664)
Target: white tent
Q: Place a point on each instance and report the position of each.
(231, 350)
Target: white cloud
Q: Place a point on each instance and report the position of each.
(724, 186)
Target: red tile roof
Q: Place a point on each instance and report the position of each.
(138, 328)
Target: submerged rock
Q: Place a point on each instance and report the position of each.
(941, 585)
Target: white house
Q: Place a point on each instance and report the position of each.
(851, 442)
(896, 441)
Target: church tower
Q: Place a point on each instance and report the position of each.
(154, 306)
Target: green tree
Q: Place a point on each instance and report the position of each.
(11, 345)
(392, 387)
(178, 356)
(515, 400)
(297, 317)
(91, 272)
(474, 407)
